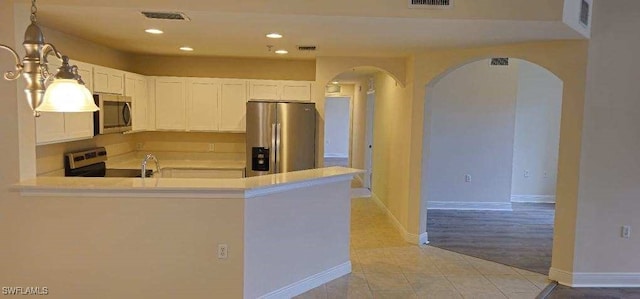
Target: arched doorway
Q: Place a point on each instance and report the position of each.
(493, 153)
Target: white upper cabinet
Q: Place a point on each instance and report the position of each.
(170, 103)
(136, 87)
(108, 80)
(54, 127)
(203, 104)
(264, 90)
(280, 90)
(296, 91)
(233, 105)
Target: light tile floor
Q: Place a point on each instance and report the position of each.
(385, 266)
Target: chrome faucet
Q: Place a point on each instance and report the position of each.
(144, 164)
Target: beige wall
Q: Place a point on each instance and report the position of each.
(358, 123)
(609, 167)
(224, 67)
(79, 49)
(122, 247)
(192, 145)
(9, 106)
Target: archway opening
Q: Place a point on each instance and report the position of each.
(492, 159)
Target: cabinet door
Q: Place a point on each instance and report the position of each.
(233, 105)
(203, 105)
(140, 103)
(170, 104)
(264, 90)
(129, 85)
(78, 125)
(100, 79)
(116, 82)
(296, 91)
(50, 127)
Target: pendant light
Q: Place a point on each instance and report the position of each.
(66, 91)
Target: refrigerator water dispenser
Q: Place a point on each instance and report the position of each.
(260, 159)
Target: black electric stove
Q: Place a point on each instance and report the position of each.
(91, 163)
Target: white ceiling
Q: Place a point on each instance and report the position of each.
(359, 28)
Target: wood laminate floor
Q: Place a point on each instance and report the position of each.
(562, 292)
(521, 238)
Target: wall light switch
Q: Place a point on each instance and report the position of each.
(139, 145)
(526, 174)
(211, 147)
(467, 178)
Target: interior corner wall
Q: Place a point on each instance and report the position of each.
(472, 129)
(537, 133)
(79, 49)
(391, 145)
(611, 142)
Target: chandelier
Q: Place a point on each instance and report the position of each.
(62, 91)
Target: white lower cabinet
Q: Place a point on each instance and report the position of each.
(194, 173)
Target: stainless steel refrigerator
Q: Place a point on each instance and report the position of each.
(281, 137)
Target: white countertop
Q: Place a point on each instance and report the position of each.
(175, 187)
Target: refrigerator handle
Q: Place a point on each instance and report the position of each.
(278, 142)
(273, 149)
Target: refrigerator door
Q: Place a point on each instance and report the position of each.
(261, 138)
(296, 129)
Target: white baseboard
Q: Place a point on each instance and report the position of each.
(534, 198)
(335, 155)
(310, 282)
(595, 280)
(423, 238)
(468, 205)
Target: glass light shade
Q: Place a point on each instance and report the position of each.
(67, 95)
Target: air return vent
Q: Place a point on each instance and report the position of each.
(307, 48)
(584, 13)
(177, 16)
(499, 61)
(430, 3)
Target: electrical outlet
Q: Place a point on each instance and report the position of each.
(211, 147)
(139, 145)
(223, 252)
(626, 232)
(526, 174)
(467, 178)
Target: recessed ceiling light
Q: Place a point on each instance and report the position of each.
(154, 31)
(274, 35)
(335, 82)
(186, 49)
(282, 52)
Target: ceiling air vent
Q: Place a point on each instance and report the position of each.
(178, 16)
(430, 3)
(307, 48)
(584, 13)
(499, 61)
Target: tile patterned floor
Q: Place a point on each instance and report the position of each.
(385, 266)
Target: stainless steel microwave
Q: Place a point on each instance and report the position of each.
(114, 115)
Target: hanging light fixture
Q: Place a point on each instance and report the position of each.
(62, 91)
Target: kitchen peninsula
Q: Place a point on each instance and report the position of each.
(270, 236)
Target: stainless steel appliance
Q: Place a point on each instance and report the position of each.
(281, 137)
(114, 115)
(91, 163)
